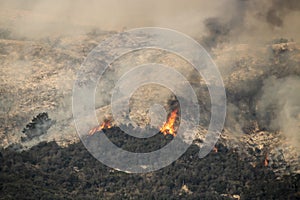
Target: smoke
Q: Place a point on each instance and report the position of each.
(279, 107)
(35, 19)
(214, 23)
(257, 23)
(279, 10)
(225, 25)
(254, 21)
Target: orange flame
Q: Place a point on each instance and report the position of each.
(168, 127)
(105, 125)
(215, 149)
(266, 161)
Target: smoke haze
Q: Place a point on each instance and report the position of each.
(214, 24)
(219, 21)
(279, 107)
(44, 18)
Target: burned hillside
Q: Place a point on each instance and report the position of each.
(254, 44)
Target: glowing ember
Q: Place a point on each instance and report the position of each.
(168, 127)
(105, 125)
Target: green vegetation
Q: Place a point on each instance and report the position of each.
(48, 171)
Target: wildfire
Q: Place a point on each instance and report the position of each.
(105, 125)
(168, 127)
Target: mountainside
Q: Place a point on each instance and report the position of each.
(257, 156)
(48, 140)
(48, 171)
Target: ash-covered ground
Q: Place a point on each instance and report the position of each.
(256, 48)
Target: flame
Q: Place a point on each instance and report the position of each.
(168, 127)
(215, 149)
(105, 125)
(266, 161)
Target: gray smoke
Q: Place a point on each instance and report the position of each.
(279, 10)
(275, 106)
(36, 19)
(255, 21)
(279, 107)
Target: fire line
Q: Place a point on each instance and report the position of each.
(105, 125)
(167, 129)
